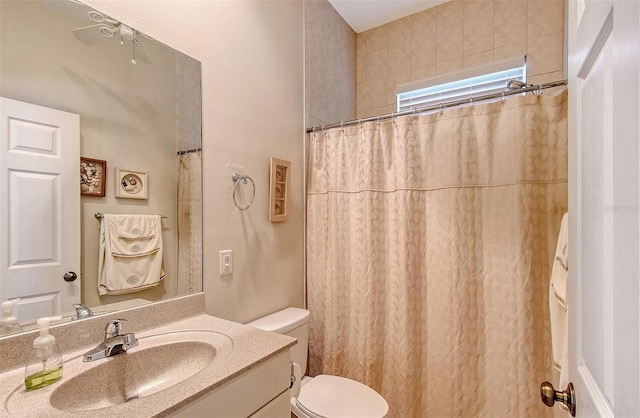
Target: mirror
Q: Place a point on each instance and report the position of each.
(139, 103)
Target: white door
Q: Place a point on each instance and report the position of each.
(604, 227)
(39, 208)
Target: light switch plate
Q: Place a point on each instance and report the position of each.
(226, 262)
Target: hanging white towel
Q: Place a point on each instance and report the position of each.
(134, 235)
(130, 257)
(558, 299)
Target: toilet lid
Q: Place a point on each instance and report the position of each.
(337, 397)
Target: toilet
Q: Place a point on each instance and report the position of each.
(323, 396)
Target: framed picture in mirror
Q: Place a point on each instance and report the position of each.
(93, 176)
(131, 184)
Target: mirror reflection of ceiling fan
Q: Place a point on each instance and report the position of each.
(104, 29)
(109, 28)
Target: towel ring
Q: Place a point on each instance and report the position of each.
(237, 178)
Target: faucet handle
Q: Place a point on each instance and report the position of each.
(81, 311)
(117, 328)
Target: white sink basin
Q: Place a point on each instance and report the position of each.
(159, 362)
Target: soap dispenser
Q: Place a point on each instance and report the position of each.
(44, 365)
(9, 323)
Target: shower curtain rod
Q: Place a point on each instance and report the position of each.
(188, 151)
(442, 105)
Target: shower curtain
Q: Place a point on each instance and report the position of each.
(429, 246)
(190, 223)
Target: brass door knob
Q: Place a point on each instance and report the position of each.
(549, 396)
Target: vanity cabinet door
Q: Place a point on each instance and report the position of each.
(279, 407)
(247, 394)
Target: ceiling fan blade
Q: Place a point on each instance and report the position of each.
(94, 34)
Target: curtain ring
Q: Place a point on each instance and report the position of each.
(237, 178)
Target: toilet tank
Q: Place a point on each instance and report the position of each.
(293, 322)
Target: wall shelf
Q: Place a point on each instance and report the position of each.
(279, 176)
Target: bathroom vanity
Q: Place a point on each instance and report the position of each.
(195, 365)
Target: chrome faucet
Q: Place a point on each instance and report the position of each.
(114, 342)
(81, 311)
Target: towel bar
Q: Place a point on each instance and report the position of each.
(99, 215)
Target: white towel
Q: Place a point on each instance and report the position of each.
(134, 235)
(130, 257)
(558, 300)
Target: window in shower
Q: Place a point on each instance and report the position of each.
(461, 85)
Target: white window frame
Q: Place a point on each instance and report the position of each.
(460, 85)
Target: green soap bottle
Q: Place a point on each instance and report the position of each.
(44, 365)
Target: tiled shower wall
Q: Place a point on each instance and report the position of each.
(330, 65)
(457, 35)
(188, 85)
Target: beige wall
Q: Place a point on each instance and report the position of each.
(454, 36)
(252, 74)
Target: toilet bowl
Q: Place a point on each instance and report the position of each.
(323, 396)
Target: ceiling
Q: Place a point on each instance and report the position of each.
(363, 15)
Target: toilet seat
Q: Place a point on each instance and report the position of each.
(338, 397)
